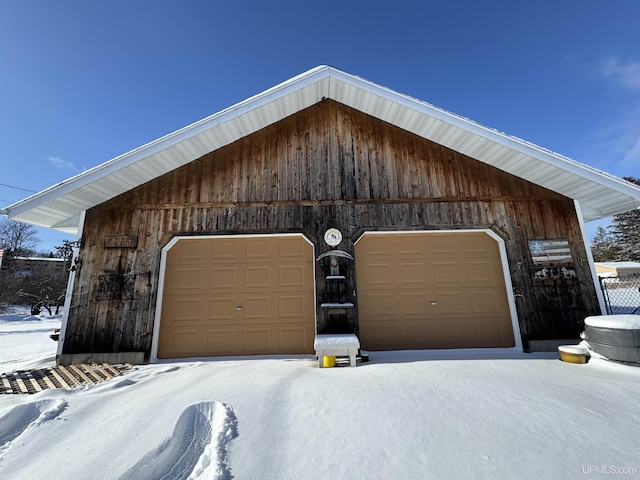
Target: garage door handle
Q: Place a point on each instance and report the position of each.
(433, 302)
(238, 307)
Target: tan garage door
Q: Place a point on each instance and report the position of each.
(431, 290)
(238, 296)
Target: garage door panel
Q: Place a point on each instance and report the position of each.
(183, 254)
(255, 341)
(377, 247)
(483, 271)
(449, 302)
(256, 248)
(414, 274)
(381, 334)
(221, 249)
(185, 278)
(431, 290)
(377, 304)
(222, 277)
(257, 308)
(219, 340)
(377, 275)
(292, 307)
(391, 335)
(294, 338)
(292, 276)
(454, 334)
(291, 249)
(491, 330)
(248, 295)
(487, 301)
(220, 309)
(256, 277)
(477, 245)
(413, 304)
(184, 341)
(446, 272)
(184, 309)
(408, 246)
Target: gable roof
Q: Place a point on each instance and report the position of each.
(59, 207)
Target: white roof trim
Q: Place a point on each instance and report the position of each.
(58, 207)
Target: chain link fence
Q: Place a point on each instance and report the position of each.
(621, 294)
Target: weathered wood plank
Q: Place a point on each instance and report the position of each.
(34, 384)
(88, 371)
(6, 386)
(109, 368)
(66, 385)
(80, 373)
(21, 386)
(46, 380)
(68, 376)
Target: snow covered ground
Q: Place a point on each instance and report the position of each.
(404, 415)
(24, 339)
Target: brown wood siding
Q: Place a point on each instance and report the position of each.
(327, 166)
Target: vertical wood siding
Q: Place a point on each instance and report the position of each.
(327, 166)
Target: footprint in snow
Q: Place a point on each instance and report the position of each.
(29, 415)
(197, 448)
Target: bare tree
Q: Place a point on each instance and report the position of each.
(17, 238)
(37, 284)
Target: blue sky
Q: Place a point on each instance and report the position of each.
(84, 81)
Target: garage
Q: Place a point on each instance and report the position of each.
(431, 290)
(209, 246)
(237, 295)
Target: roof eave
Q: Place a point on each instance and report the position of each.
(160, 156)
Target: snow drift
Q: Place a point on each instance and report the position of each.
(480, 414)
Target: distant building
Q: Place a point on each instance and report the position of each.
(31, 265)
(621, 269)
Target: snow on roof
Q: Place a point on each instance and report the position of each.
(40, 259)
(60, 207)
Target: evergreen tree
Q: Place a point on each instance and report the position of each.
(604, 246)
(620, 242)
(626, 230)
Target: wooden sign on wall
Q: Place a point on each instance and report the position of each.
(121, 241)
(550, 252)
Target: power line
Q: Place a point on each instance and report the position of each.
(17, 188)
